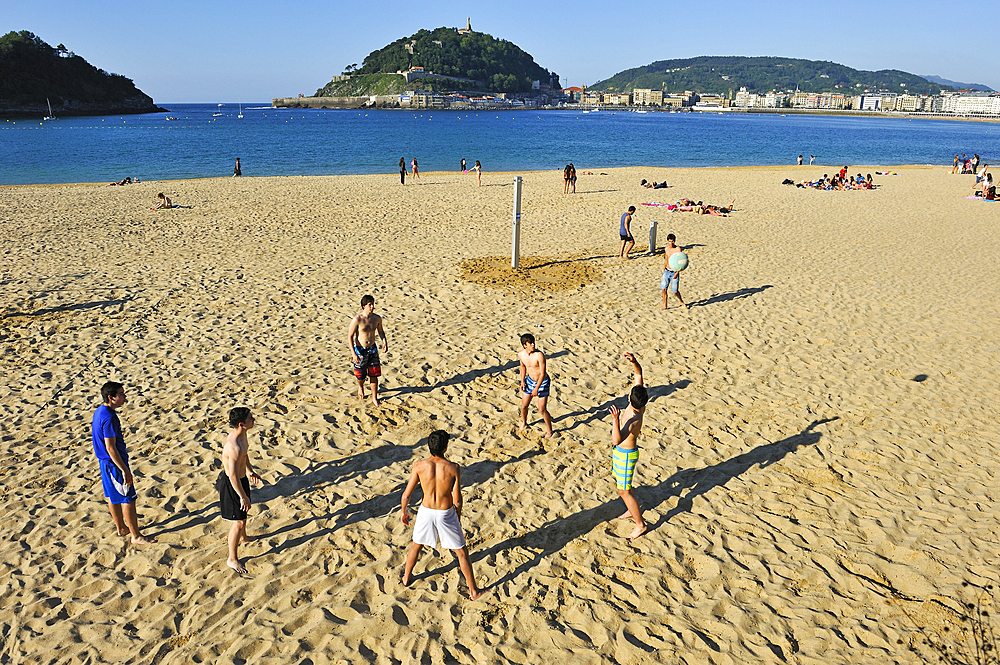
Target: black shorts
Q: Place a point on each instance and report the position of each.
(229, 500)
(624, 238)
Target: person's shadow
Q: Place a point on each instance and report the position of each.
(554, 535)
(586, 416)
(732, 295)
(68, 308)
(465, 377)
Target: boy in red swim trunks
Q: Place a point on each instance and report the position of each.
(364, 350)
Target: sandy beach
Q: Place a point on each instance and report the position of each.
(815, 465)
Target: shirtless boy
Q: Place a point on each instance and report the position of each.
(233, 486)
(440, 510)
(671, 280)
(625, 233)
(534, 382)
(112, 457)
(624, 432)
(364, 350)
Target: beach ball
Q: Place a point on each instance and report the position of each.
(678, 261)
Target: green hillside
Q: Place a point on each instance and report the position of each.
(31, 71)
(722, 74)
(498, 65)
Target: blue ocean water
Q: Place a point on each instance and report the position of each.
(320, 142)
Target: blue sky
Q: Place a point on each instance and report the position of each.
(183, 51)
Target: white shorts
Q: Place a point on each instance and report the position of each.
(432, 524)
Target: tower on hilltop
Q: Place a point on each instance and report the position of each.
(468, 28)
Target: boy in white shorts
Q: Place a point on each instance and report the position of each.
(440, 509)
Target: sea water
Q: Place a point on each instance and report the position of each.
(199, 144)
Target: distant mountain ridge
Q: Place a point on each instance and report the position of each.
(722, 74)
(497, 65)
(31, 71)
(958, 86)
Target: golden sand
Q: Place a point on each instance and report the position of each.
(818, 453)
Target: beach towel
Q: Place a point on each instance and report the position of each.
(980, 198)
(653, 205)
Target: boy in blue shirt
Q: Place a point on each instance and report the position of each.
(116, 476)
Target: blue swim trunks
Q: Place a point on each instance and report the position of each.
(112, 479)
(543, 389)
(671, 279)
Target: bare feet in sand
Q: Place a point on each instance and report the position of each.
(375, 402)
(237, 566)
(142, 540)
(624, 515)
(247, 539)
(638, 531)
(479, 594)
(548, 435)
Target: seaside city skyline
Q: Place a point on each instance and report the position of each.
(192, 53)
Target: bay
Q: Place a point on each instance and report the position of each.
(284, 142)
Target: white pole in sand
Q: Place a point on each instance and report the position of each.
(515, 240)
(652, 237)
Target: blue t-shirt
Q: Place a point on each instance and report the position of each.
(106, 426)
(622, 230)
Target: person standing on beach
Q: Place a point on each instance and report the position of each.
(572, 179)
(116, 474)
(954, 168)
(364, 349)
(566, 180)
(237, 172)
(478, 168)
(811, 159)
(439, 517)
(413, 168)
(625, 232)
(671, 280)
(233, 486)
(534, 382)
(800, 160)
(402, 171)
(463, 165)
(624, 432)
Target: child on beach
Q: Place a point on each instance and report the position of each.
(440, 511)
(534, 382)
(626, 453)
(671, 280)
(164, 202)
(233, 486)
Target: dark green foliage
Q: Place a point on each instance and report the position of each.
(31, 70)
(763, 74)
(497, 64)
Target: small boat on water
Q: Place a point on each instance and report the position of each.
(49, 116)
(218, 113)
(241, 110)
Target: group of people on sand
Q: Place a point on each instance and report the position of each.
(439, 517)
(688, 205)
(415, 170)
(569, 179)
(965, 165)
(839, 182)
(670, 281)
(121, 183)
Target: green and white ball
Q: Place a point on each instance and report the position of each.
(678, 261)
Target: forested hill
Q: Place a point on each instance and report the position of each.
(499, 65)
(721, 74)
(31, 71)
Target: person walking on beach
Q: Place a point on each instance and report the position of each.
(413, 168)
(233, 485)
(402, 171)
(439, 517)
(478, 168)
(670, 280)
(625, 232)
(534, 382)
(116, 474)
(624, 432)
(237, 172)
(364, 349)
